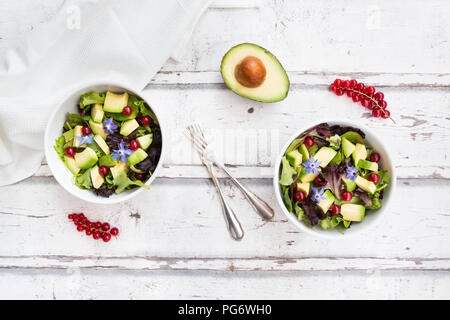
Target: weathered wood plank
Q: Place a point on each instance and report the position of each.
(110, 284)
(155, 227)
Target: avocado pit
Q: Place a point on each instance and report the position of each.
(251, 72)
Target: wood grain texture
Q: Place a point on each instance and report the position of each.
(173, 243)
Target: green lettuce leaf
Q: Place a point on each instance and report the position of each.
(74, 119)
(122, 182)
(91, 98)
(335, 142)
(107, 161)
(286, 173)
(376, 202)
(286, 199)
(331, 222)
(83, 180)
(59, 146)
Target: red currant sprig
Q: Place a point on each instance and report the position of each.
(365, 95)
(95, 229)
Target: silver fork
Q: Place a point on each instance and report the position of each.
(199, 142)
(233, 225)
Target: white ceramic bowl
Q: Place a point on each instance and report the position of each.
(54, 130)
(370, 220)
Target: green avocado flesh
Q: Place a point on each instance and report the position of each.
(275, 85)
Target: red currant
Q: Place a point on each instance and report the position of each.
(376, 113)
(105, 226)
(365, 103)
(349, 93)
(346, 84)
(97, 225)
(360, 86)
(386, 114)
(106, 237)
(80, 228)
(375, 157)
(333, 88)
(114, 231)
(139, 176)
(134, 145)
(103, 170)
(96, 235)
(383, 104)
(70, 216)
(335, 209)
(346, 196)
(70, 152)
(337, 82)
(88, 232)
(353, 83)
(339, 92)
(126, 110)
(379, 96)
(86, 130)
(356, 98)
(319, 181)
(374, 178)
(370, 91)
(145, 120)
(309, 142)
(299, 196)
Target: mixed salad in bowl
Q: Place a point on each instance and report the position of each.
(330, 177)
(112, 144)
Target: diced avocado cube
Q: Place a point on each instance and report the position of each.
(353, 137)
(128, 127)
(325, 155)
(304, 186)
(347, 147)
(71, 164)
(353, 212)
(86, 159)
(326, 203)
(97, 128)
(365, 184)
(145, 141)
(295, 158)
(359, 153)
(96, 178)
(304, 151)
(97, 113)
(115, 102)
(107, 161)
(77, 132)
(102, 144)
(369, 165)
(308, 177)
(349, 184)
(118, 169)
(136, 157)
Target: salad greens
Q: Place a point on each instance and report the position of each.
(112, 144)
(334, 180)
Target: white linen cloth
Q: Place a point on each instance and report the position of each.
(123, 40)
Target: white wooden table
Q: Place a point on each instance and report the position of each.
(173, 242)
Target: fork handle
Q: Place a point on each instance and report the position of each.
(259, 205)
(233, 225)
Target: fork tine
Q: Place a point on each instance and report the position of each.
(198, 147)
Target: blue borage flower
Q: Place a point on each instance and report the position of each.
(317, 194)
(351, 173)
(121, 153)
(311, 165)
(86, 139)
(109, 126)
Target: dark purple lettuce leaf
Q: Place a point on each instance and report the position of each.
(340, 130)
(312, 211)
(364, 196)
(333, 177)
(104, 192)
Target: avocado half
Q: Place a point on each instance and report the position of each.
(254, 73)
